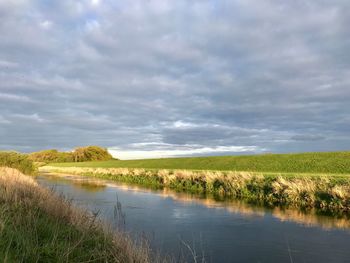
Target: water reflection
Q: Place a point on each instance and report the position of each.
(86, 184)
(309, 218)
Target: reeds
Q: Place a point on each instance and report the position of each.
(38, 226)
(327, 193)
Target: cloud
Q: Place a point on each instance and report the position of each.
(7, 64)
(3, 120)
(307, 137)
(270, 75)
(13, 97)
(176, 151)
(47, 24)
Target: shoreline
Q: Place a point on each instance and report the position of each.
(326, 193)
(308, 218)
(38, 225)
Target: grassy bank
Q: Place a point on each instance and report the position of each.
(38, 226)
(329, 162)
(329, 193)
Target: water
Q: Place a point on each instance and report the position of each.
(220, 232)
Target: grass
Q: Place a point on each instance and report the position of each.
(327, 193)
(327, 162)
(38, 226)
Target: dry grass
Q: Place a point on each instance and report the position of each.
(38, 226)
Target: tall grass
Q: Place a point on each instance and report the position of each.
(328, 162)
(38, 226)
(326, 193)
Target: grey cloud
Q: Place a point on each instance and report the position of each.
(307, 137)
(270, 74)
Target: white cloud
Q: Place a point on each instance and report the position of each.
(182, 124)
(125, 154)
(47, 24)
(95, 2)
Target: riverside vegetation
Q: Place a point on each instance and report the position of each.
(325, 192)
(38, 226)
(80, 154)
(17, 161)
(308, 180)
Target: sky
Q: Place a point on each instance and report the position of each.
(163, 78)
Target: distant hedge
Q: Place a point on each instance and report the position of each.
(91, 153)
(80, 154)
(18, 161)
(51, 156)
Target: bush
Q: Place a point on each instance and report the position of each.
(17, 161)
(51, 156)
(91, 153)
(80, 154)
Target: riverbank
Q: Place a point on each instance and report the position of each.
(327, 193)
(94, 185)
(38, 226)
(217, 231)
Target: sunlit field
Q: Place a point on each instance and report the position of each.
(317, 162)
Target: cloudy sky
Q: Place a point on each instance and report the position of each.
(149, 78)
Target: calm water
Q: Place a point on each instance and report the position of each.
(218, 231)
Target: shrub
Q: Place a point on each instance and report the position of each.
(91, 153)
(18, 161)
(80, 154)
(51, 156)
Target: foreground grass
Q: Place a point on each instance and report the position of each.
(38, 226)
(329, 162)
(328, 193)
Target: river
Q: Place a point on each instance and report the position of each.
(181, 225)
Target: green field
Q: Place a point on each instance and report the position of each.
(325, 163)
